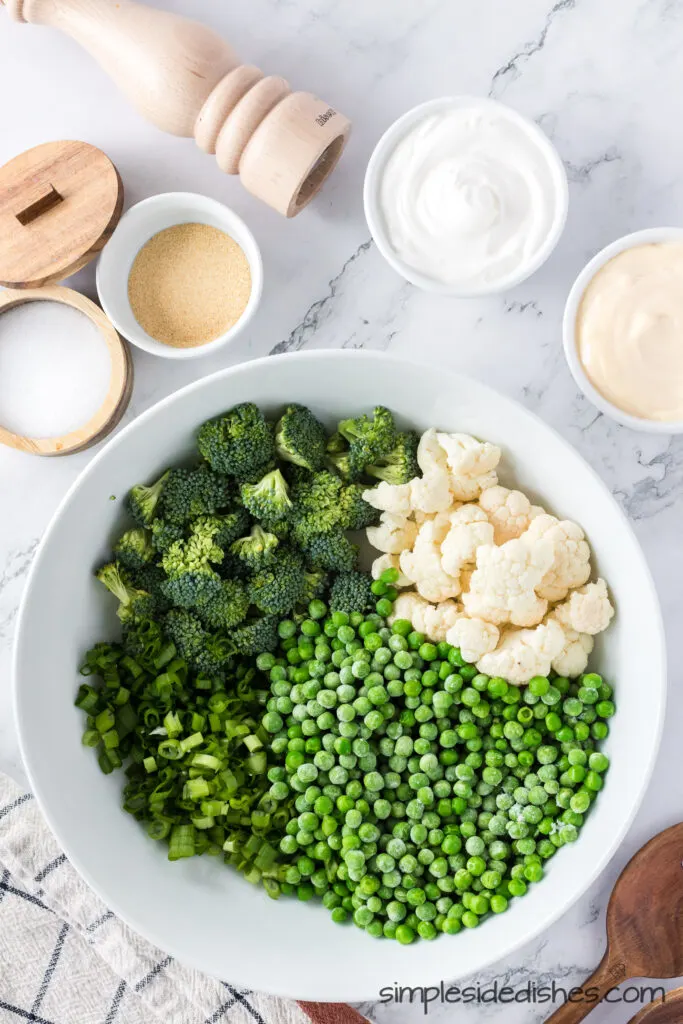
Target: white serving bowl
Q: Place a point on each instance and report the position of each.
(135, 229)
(646, 237)
(199, 910)
(373, 180)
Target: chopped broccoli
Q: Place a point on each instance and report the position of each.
(315, 585)
(277, 588)
(300, 438)
(227, 608)
(227, 527)
(256, 636)
(191, 579)
(269, 498)
(336, 444)
(189, 493)
(356, 512)
(134, 604)
(332, 550)
(369, 438)
(134, 549)
(352, 592)
(165, 533)
(149, 577)
(346, 464)
(207, 652)
(399, 465)
(240, 443)
(317, 506)
(143, 500)
(258, 549)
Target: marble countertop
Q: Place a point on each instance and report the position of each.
(603, 80)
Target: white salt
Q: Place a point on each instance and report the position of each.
(54, 369)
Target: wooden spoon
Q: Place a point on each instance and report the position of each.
(644, 927)
(669, 1011)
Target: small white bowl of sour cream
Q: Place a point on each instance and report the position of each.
(623, 330)
(465, 196)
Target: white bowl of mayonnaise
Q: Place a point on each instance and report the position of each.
(623, 330)
(465, 196)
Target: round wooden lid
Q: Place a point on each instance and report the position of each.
(59, 205)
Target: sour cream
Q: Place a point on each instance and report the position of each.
(472, 196)
(629, 331)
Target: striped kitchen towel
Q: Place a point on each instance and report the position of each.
(66, 959)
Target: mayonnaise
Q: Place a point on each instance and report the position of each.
(629, 331)
(470, 196)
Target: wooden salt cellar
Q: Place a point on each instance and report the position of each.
(187, 81)
(59, 205)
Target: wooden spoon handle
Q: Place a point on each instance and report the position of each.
(611, 972)
(332, 1013)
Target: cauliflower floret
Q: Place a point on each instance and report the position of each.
(434, 620)
(474, 637)
(510, 512)
(469, 530)
(422, 565)
(431, 458)
(570, 567)
(502, 588)
(524, 653)
(393, 535)
(573, 658)
(409, 605)
(439, 619)
(431, 493)
(394, 498)
(385, 562)
(587, 610)
(472, 464)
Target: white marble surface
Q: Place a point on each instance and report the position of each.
(603, 79)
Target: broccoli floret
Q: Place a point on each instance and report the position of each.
(228, 608)
(300, 438)
(332, 550)
(346, 464)
(227, 527)
(143, 500)
(258, 549)
(186, 631)
(149, 578)
(357, 513)
(134, 604)
(352, 592)
(189, 493)
(134, 549)
(317, 506)
(369, 438)
(165, 533)
(143, 640)
(256, 636)
(276, 589)
(191, 579)
(399, 465)
(268, 499)
(206, 652)
(315, 585)
(240, 443)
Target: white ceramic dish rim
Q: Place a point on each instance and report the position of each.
(387, 145)
(570, 894)
(171, 202)
(645, 237)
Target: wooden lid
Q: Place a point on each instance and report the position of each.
(59, 205)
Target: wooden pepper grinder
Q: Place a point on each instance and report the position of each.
(185, 79)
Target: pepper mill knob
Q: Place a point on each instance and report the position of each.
(186, 80)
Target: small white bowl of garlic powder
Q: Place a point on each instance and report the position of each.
(465, 196)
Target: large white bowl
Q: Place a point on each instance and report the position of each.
(199, 910)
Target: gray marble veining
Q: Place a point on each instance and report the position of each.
(603, 80)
